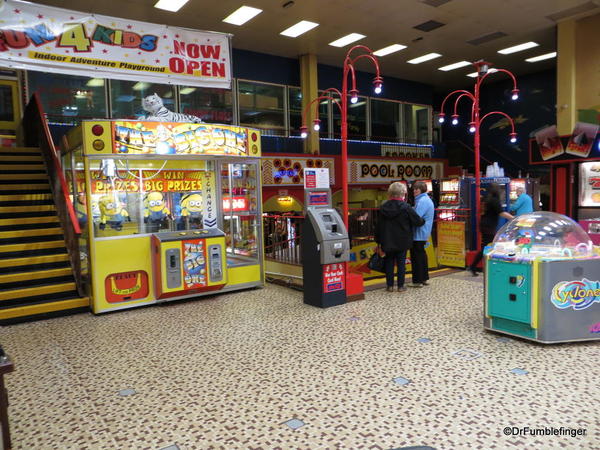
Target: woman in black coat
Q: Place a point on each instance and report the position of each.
(394, 233)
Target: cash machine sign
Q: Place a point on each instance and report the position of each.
(333, 277)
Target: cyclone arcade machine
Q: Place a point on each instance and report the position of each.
(168, 210)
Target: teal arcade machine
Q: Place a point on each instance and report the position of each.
(542, 280)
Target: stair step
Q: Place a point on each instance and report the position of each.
(36, 275)
(44, 281)
(42, 309)
(31, 246)
(40, 296)
(17, 264)
(28, 220)
(28, 226)
(26, 209)
(35, 291)
(20, 176)
(25, 197)
(36, 159)
(32, 253)
(20, 184)
(18, 167)
(24, 215)
(32, 239)
(35, 150)
(25, 202)
(7, 189)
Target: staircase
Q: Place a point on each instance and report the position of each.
(36, 278)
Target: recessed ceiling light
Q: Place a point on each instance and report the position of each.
(300, 28)
(95, 82)
(242, 15)
(187, 90)
(389, 49)
(474, 74)
(140, 86)
(541, 57)
(170, 5)
(349, 39)
(424, 58)
(518, 48)
(455, 66)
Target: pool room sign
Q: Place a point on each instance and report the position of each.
(44, 38)
(366, 171)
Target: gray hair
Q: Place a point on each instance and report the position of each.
(397, 189)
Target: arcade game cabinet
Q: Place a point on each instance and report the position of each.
(173, 209)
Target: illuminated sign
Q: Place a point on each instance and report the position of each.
(365, 171)
(238, 204)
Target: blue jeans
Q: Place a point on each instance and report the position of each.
(391, 259)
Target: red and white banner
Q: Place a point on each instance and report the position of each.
(289, 170)
(45, 38)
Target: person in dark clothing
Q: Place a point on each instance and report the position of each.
(492, 211)
(394, 233)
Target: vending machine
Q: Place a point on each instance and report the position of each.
(531, 187)
(469, 198)
(588, 206)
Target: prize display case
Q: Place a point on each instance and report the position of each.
(170, 210)
(542, 280)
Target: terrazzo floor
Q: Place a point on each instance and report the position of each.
(229, 372)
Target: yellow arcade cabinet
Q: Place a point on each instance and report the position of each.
(171, 210)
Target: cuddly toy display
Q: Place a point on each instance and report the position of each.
(155, 209)
(112, 213)
(191, 211)
(158, 112)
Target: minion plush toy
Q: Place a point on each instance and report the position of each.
(112, 212)
(155, 209)
(191, 210)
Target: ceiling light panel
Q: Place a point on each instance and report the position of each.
(170, 5)
(389, 49)
(427, 57)
(300, 28)
(242, 15)
(430, 25)
(456, 65)
(518, 48)
(349, 39)
(474, 74)
(542, 57)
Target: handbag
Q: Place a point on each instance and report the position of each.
(376, 262)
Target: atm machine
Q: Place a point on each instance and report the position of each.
(325, 251)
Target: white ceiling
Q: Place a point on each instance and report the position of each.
(384, 22)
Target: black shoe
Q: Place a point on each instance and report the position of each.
(473, 271)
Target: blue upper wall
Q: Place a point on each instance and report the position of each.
(277, 69)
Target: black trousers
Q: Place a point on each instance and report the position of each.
(486, 238)
(397, 259)
(418, 259)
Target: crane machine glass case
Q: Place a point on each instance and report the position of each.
(170, 210)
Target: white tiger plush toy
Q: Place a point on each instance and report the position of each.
(157, 112)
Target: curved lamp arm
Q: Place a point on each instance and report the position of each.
(513, 134)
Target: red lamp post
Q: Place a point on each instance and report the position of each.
(475, 123)
(342, 102)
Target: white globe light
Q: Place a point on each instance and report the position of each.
(353, 99)
(303, 134)
(378, 89)
(513, 140)
(441, 120)
(472, 129)
(454, 121)
(515, 96)
(316, 127)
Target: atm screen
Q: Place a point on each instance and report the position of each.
(318, 198)
(326, 217)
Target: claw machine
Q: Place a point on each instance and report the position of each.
(173, 208)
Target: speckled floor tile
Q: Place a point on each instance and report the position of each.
(227, 372)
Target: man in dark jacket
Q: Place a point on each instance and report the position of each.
(394, 233)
